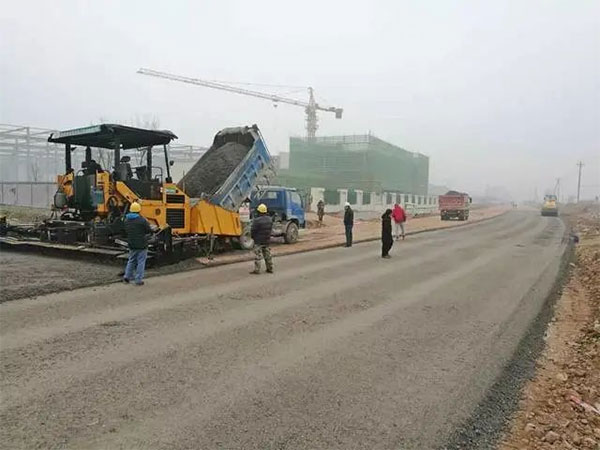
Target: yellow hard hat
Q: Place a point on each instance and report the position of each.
(135, 207)
(262, 208)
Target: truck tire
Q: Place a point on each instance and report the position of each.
(245, 240)
(291, 233)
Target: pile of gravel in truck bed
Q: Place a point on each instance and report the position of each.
(211, 171)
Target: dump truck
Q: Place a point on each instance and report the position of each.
(454, 204)
(550, 206)
(91, 202)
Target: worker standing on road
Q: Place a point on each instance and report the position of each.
(320, 211)
(262, 226)
(399, 217)
(387, 240)
(136, 228)
(348, 223)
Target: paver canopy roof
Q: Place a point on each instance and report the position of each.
(108, 135)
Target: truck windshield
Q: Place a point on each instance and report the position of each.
(272, 199)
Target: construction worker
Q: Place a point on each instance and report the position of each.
(399, 216)
(320, 211)
(348, 223)
(136, 228)
(387, 240)
(262, 226)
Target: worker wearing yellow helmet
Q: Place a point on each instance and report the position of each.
(136, 227)
(262, 226)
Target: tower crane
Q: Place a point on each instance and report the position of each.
(310, 108)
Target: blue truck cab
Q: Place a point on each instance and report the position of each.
(285, 206)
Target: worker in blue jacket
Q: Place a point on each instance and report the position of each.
(136, 228)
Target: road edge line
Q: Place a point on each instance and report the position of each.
(489, 420)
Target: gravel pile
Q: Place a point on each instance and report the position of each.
(211, 171)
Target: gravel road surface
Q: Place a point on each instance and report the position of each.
(338, 349)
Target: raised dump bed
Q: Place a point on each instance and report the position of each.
(225, 175)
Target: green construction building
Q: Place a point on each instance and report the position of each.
(358, 162)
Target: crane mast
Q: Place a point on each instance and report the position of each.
(310, 108)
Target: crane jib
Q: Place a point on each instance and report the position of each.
(310, 107)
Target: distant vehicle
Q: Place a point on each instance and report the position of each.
(550, 206)
(454, 205)
(285, 206)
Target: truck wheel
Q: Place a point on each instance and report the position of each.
(245, 240)
(291, 233)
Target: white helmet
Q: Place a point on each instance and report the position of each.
(347, 204)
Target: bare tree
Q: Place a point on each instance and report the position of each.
(149, 122)
(34, 170)
(104, 158)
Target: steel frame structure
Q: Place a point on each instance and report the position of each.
(26, 154)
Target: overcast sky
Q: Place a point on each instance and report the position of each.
(496, 93)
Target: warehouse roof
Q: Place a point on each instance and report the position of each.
(108, 135)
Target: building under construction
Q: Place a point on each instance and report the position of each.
(357, 162)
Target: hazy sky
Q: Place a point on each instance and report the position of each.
(496, 93)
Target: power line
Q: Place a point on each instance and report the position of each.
(580, 164)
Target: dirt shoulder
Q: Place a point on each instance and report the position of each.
(23, 214)
(332, 233)
(27, 274)
(560, 406)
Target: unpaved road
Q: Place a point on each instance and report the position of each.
(338, 350)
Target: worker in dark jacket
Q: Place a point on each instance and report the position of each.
(348, 223)
(387, 240)
(321, 211)
(262, 225)
(136, 228)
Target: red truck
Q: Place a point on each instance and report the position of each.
(454, 204)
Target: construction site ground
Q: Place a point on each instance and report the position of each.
(27, 274)
(338, 349)
(560, 406)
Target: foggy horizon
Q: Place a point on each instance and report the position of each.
(504, 94)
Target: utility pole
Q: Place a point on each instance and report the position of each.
(580, 164)
(557, 189)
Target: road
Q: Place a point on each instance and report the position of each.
(339, 349)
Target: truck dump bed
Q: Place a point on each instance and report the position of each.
(225, 175)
